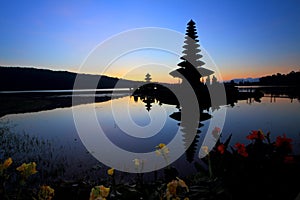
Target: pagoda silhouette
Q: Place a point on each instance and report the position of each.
(191, 68)
(190, 96)
(148, 78)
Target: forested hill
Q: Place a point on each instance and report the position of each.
(18, 78)
(291, 79)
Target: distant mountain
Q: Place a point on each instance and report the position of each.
(290, 79)
(20, 78)
(244, 80)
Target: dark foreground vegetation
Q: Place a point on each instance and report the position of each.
(261, 169)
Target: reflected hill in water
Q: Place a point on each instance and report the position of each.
(25, 102)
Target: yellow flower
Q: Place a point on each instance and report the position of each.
(110, 171)
(139, 164)
(22, 167)
(136, 162)
(32, 168)
(161, 145)
(7, 163)
(162, 149)
(157, 152)
(95, 193)
(99, 192)
(165, 150)
(205, 149)
(45, 193)
(104, 191)
(181, 183)
(27, 169)
(171, 187)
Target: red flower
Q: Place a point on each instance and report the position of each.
(289, 159)
(241, 149)
(221, 148)
(256, 135)
(284, 143)
(216, 132)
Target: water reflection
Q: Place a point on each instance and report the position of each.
(133, 128)
(272, 92)
(281, 115)
(148, 100)
(189, 132)
(26, 102)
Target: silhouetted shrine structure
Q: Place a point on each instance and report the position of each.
(191, 68)
(191, 71)
(148, 78)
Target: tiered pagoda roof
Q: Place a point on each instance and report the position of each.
(191, 66)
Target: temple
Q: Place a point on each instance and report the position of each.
(191, 69)
(148, 78)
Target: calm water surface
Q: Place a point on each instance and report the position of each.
(278, 116)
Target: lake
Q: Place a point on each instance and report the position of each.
(78, 136)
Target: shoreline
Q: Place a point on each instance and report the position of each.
(12, 103)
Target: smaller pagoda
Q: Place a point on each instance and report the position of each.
(148, 78)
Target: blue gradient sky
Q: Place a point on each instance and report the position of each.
(244, 38)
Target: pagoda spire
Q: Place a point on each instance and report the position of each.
(190, 68)
(148, 78)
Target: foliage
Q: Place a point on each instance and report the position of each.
(162, 150)
(11, 189)
(21, 78)
(99, 193)
(36, 149)
(45, 193)
(260, 169)
(291, 78)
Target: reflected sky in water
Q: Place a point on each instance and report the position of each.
(279, 117)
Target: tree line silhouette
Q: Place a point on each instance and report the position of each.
(278, 79)
(290, 79)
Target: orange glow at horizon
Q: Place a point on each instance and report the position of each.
(162, 74)
(139, 75)
(238, 73)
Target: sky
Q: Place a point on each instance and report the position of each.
(249, 38)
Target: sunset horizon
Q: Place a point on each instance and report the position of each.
(150, 99)
(162, 78)
(243, 39)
